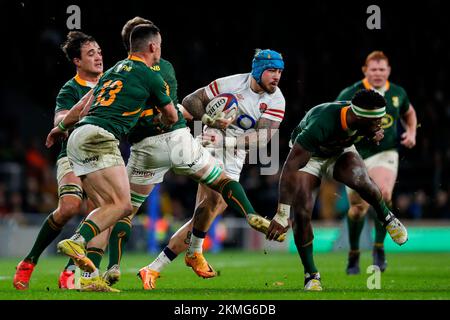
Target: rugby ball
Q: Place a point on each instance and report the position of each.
(223, 106)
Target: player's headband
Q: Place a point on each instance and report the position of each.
(266, 59)
(367, 113)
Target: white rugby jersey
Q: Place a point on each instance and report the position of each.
(251, 106)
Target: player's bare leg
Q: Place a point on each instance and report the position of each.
(209, 204)
(121, 231)
(350, 170)
(303, 233)
(234, 196)
(69, 205)
(110, 191)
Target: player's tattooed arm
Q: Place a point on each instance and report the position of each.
(264, 131)
(195, 103)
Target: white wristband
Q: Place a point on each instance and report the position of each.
(230, 142)
(282, 216)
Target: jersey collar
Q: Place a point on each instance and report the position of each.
(83, 82)
(135, 58)
(381, 91)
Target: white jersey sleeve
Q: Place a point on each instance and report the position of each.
(275, 110)
(228, 84)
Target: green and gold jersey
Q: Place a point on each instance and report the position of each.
(397, 104)
(323, 130)
(146, 126)
(71, 92)
(121, 95)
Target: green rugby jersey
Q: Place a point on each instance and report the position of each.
(121, 95)
(323, 130)
(71, 92)
(397, 104)
(146, 127)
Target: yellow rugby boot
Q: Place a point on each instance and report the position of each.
(312, 282)
(261, 224)
(95, 284)
(77, 252)
(396, 230)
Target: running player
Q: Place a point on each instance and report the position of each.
(261, 110)
(84, 52)
(147, 126)
(93, 151)
(322, 145)
(381, 160)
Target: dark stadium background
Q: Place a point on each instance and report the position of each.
(324, 44)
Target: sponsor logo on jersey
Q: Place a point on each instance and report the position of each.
(142, 173)
(262, 107)
(190, 165)
(395, 101)
(124, 67)
(90, 159)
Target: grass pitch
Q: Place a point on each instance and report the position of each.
(250, 276)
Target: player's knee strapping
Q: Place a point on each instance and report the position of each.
(70, 190)
(119, 237)
(137, 199)
(211, 175)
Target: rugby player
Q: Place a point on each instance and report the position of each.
(323, 145)
(381, 159)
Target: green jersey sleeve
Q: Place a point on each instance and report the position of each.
(404, 107)
(158, 89)
(66, 99)
(169, 76)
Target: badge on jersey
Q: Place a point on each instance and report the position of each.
(395, 101)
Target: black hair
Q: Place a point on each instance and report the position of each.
(368, 99)
(140, 35)
(72, 46)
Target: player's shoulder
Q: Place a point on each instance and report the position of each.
(396, 88)
(165, 64)
(238, 80)
(278, 94)
(353, 88)
(327, 110)
(70, 86)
